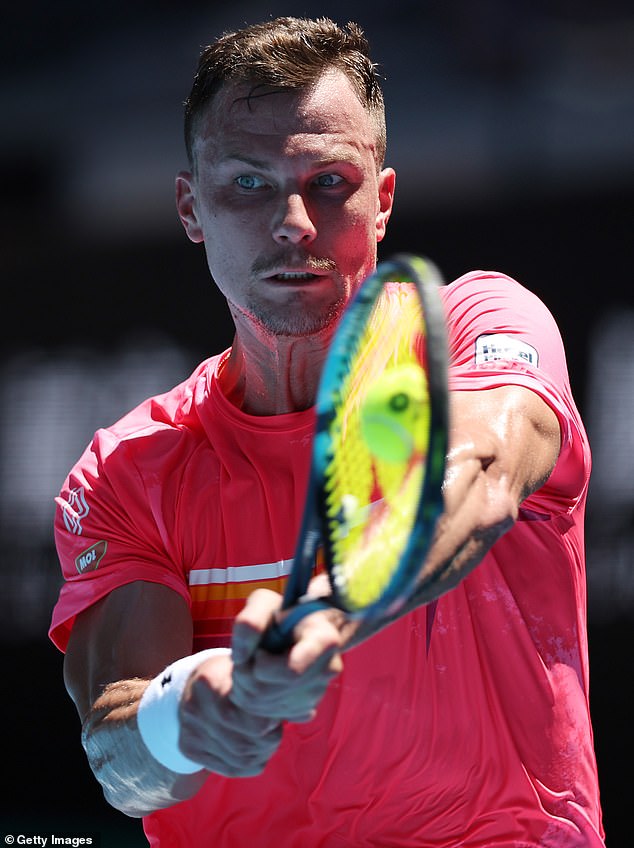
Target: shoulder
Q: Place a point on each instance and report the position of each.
(485, 293)
(159, 434)
(167, 416)
(493, 318)
(502, 334)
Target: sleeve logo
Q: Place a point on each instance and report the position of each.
(89, 560)
(489, 348)
(75, 510)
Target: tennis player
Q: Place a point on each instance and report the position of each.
(463, 723)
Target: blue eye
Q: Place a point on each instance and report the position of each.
(328, 180)
(249, 182)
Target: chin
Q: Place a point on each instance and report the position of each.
(299, 319)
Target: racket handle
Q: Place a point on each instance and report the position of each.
(278, 637)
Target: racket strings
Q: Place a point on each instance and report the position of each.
(365, 569)
(371, 503)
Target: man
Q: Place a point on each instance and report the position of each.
(464, 722)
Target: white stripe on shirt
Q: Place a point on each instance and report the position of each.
(240, 573)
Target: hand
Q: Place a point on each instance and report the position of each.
(234, 706)
(218, 734)
(287, 686)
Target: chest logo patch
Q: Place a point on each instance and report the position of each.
(500, 346)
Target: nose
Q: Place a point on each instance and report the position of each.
(294, 224)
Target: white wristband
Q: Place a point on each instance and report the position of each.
(157, 715)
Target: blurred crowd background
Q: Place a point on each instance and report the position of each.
(511, 127)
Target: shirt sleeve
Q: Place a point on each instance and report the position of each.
(501, 334)
(110, 528)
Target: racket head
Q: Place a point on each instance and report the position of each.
(381, 437)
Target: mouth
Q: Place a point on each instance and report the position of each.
(298, 271)
(293, 276)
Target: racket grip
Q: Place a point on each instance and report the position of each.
(278, 637)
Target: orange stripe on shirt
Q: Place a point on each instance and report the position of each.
(222, 591)
(225, 608)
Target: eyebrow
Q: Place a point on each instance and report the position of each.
(242, 158)
(262, 164)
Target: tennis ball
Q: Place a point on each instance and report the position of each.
(395, 414)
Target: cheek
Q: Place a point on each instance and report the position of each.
(360, 215)
(235, 230)
(357, 234)
(226, 233)
(225, 254)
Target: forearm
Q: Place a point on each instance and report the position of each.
(154, 743)
(490, 471)
(132, 780)
(504, 445)
(480, 508)
(478, 512)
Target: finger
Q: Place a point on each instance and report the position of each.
(234, 755)
(291, 700)
(267, 675)
(251, 623)
(318, 637)
(319, 586)
(206, 700)
(224, 738)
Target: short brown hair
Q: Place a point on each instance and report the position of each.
(289, 54)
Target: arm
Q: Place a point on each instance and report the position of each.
(233, 706)
(503, 445)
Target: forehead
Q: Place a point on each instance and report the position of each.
(328, 112)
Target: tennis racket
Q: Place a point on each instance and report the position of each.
(378, 462)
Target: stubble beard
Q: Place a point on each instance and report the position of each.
(298, 316)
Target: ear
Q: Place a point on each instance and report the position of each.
(186, 205)
(387, 182)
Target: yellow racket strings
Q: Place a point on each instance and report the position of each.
(371, 503)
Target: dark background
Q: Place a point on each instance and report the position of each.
(510, 126)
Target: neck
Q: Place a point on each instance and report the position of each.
(267, 374)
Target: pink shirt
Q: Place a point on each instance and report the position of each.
(465, 723)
